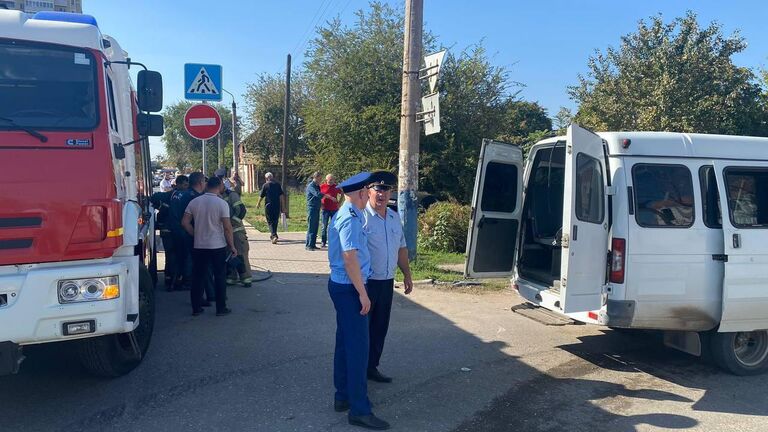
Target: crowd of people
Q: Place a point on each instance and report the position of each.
(206, 248)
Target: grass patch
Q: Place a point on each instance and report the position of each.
(425, 266)
(297, 210)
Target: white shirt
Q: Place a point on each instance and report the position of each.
(385, 239)
(207, 211)
(166, 185)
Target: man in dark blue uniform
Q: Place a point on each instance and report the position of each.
(350, 267)
(162, 202)
(182, 240)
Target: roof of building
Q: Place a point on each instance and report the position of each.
(19, 25)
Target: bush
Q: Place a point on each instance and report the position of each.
(443, 227)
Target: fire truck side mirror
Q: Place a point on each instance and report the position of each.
(150, 91)
(149, 124)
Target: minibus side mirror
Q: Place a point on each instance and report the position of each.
(149, 124)
(150, 91)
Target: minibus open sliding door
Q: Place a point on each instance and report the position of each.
(497, 204)
(743, 190)
(585, 222)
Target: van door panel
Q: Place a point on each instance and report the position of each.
(585, 222)
(743, 190)
(670, 272)
(496, 210)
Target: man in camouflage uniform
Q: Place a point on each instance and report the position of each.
(237, 212)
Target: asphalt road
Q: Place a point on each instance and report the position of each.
(460, 362)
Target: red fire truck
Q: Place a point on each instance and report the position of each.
(77, 249)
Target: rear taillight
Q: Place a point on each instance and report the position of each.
(618, 252)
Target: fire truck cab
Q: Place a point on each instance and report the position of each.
(77, 249)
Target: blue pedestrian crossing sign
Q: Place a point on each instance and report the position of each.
(202, 82)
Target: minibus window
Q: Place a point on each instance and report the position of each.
(747, 196)
(663, 196)
(499, 188)
(710, 197)
(589, 189)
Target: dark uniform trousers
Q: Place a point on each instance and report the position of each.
(351, 357)
(171, 270)
(380, 292)
(207, 263)
(313, 224)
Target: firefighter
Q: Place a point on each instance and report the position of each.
(237, 212)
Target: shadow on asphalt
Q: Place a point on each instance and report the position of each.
(642, 352)
(278, 345)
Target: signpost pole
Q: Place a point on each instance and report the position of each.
(205, 143)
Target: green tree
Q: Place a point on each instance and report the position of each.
(265, 108)
(352, 116)
(185, 152)
(674, 76)
(354, 76)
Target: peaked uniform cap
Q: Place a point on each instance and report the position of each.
(356, 182)
(383, 178)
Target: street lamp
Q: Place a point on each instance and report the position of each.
(234, 135)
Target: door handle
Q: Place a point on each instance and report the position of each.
(575, 232)
(736, 241)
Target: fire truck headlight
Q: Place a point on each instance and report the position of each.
(90, 289)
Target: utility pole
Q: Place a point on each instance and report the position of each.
(235, 147)
(408, 176)
(205, 158)
(220, 155)
(286, 116)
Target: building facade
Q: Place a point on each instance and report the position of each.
(32, 6)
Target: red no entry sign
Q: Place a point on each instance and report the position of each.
(202, 121)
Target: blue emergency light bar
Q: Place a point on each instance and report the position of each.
(66, 17)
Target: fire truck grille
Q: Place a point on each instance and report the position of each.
(15, 243)
(21, 222)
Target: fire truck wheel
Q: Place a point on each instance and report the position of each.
(741, 353)
(116, 355)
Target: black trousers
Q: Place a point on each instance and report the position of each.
(169, 246)
(272, 212)
(380, 292)
(213, 261)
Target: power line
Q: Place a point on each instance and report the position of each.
(311, 25)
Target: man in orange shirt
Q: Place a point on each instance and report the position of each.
(329, 204)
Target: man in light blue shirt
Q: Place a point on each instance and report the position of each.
(386, 244)
(350, 265)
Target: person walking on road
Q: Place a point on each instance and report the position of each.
(349, 261)
(386, 244)
(213, 241)
(237, 210)
(274, 204)
(329, 204)
(314, 197)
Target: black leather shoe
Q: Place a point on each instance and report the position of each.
(198, 312)
(369, 421)
(340, 406)
(224, 312)
(375, 375)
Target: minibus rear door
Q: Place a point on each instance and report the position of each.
(585, 222)
(496, 210)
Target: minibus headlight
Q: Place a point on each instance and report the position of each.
(90, 289)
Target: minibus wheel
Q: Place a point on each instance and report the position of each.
(116, 355)
(741, 353)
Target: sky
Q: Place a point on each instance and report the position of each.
(544, 45)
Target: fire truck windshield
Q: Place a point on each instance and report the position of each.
(46, 87)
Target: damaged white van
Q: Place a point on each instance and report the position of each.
(641, 230)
